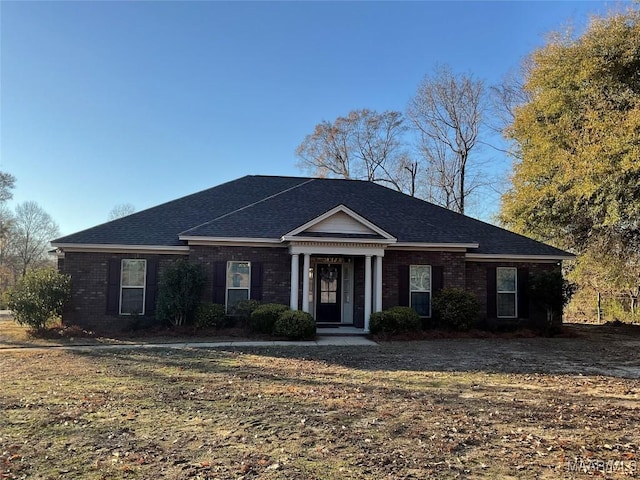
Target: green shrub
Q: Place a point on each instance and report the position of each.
(38, 297)
(241, 311)
(263, 318)
(456, 308)
(379, 322)
(549, 291)
(179, 292)
(295, 325)
(210, 315)
(395, 320)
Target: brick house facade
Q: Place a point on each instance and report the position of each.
(348, 248)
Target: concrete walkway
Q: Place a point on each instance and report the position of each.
(328, 340)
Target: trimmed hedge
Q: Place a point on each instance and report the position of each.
(263, 318)
(240, 313)
(210, 315)
(295, 325)
(456, 308)
(395, 320)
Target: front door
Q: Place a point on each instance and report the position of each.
(328, 288)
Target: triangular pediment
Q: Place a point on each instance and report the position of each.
(339, 222)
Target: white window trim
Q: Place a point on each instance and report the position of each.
(228, 287)
(514, 292)
(143, 287)
(422, 291)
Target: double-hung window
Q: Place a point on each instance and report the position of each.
(420, 289)
(132, 286)
(238, 282)
(507, 286)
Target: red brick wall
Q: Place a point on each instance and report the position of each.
(476, 274)
(89, 275)
(89, 272)
(276, 268)
(453, 264)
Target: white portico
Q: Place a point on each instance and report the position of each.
(328, 248)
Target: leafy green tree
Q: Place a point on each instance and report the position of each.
(578, 180)
(39, 296)
(179, 292)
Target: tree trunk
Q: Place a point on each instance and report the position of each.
(599, 309)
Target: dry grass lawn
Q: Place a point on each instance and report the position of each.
(461, 408)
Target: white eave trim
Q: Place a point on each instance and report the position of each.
(117, 248)
(333, 211)
(495, 257)
(433, 246)
(198, 240)
(320, 240)
(338, 248)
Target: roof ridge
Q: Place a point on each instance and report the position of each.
(249, 205)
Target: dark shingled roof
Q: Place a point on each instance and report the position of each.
(270, 207)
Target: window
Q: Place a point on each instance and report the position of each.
(420, 287)
(132, 286)
(238, 282)
(507, 286)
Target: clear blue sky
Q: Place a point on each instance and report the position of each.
(105, 103)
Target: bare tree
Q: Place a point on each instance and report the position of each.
(363, 145)
(447, 113)
(121, 210)
(33, 229)
(505, 98)
(7, 260)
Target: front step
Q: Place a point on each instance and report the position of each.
(342, 331)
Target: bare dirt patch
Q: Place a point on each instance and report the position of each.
(451, 408)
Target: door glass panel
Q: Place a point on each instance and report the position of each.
(328, 284)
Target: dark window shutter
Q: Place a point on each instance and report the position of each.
(113, 287)
(523, 292)
(437, 279)
(256, 281)
(219, 282)
(403, 285)
(492, 293)
(152, 287)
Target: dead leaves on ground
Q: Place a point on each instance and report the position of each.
(272, 414)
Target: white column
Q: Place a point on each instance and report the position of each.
(367, 292)
(295, 270)
(374, 265)
(378, 301)
(305, 282)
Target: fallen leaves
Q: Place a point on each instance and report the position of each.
(413, 410)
